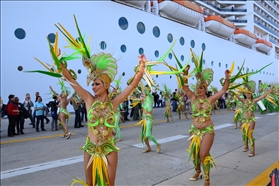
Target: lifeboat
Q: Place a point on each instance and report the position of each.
(245, 37)
(263, 45)
(219, 26)
(135, 3)
(182, 11)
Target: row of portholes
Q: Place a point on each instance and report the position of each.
(123, 24)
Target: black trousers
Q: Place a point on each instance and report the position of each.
(12, 123)
(40, 119)
(19, 124)
(77, 118)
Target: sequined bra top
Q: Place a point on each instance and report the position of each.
(102, 115)
(201, 110)
(248, 106)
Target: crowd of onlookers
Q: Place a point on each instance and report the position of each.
(37, 112)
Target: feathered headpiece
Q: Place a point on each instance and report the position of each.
(204, 76)
(102, 65)
(250, 86)
(213, 89)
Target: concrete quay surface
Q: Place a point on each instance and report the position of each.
(44, 158)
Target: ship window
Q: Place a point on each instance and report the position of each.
(252, 70)
(182, 58)
(219, 64)
(237, 67)
(203, 61)
(123, 48)
(212, 63)
(226, 65)
(170, 55)
(192, 60)
(20, 33)
(193, 78)
(203, 46)
(182, 41)
(192, 43)
(263, 72)
(123, 23)
(77, 39)
(273, 74)
(51, 37)
(141, 51)
(156, 31)
(247, 69)
(156, 53)
(103, 45)
(141, 27)
(19, 68)
(243, 69)
(79, 71)
(170, 38)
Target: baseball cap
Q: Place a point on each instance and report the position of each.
(11, 96)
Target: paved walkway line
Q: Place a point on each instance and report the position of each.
(31, 139)
(263, 178)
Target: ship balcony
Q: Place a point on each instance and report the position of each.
(245, 37)
(266, 18)
(219, 26)
(273, 41)
(134, 3)
(182, 11)
(266, 28)
(263, 45)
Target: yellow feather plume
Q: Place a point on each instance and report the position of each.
(232, 68)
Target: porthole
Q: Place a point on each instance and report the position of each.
(156, 31)
(212, 63)
(243, 69)
(182, 58)
(192, 43)
(252, 70)
(156, 53)
(247, 69)
(20, 33)
(237, 67)
(182, 41)
(264, 72)
(19, 68)
(123, 23)
(141, 51)
(170, 38)
(51, 37)
(203, 46)
(123, 48)
(226, 65)
(79, 71)
(192, 59)
(219, 64)
(203, 61)
(140, 27)
(170, 55)
(193, 78)
(273, 74)
(103, 45)
(77, 39)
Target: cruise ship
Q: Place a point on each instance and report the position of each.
(227, 31)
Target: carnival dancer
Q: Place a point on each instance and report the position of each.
(181, 104)
(166, 92)
(214, 90)
(100, 156)
(63, 113)
(238, 113)
(248, 118)
(202, 128)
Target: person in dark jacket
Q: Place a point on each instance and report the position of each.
(20, 117)
(12, 112)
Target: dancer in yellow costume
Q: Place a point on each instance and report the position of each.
(63, 113)
(181, 105)
(166, 92)
(248, 118)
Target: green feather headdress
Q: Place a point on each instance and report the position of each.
(101, 65)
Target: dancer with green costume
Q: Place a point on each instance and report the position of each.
(248, 120)
(181, 104)
(166, 92)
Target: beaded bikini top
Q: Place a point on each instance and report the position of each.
(102, 115)
(248, 106)
(201, 110)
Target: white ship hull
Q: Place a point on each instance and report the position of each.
(100, 20)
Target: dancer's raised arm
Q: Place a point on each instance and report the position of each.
(188, 92)
(264, 95)
(84, 94)
(127, 91)
(224, 88)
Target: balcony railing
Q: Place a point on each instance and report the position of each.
(237, 20)
(266, 18)
(232, 0)
(265, 27)
(262, 5)
(225, 9)
(273, 41)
